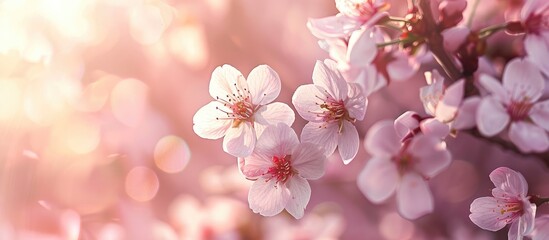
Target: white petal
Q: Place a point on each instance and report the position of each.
(540, 114)
(208, 121)
(448, 106)
(523, 79)
(528, 137)
(356, 102)
(272, 114)
(514, 230)
(223, 80)
(509, 181)
(264, 85)
(378, 180)
(277, 140)
(537, 48)
(332, 27)
(432, 157)
(307, 103)
(254, 166)
(435, 128)
(485, 213)
(308, 159)
(240, 141)
(414, 198)
(362, 48)
(406, 122)
(492, 118)
(326, 75)
(494, 87)
(321, 134)
(300, 193)
(268, 198)
(466, 116)
(348, 142)
(381, 139)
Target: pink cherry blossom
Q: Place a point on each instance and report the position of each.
(353, 15)
(541, 228)
(509, 205)
(534, 18)
(515, 104)
(410, 124)
(441, 102)
(402, 167)
(280, 166)
(242, 109)
(331, 105)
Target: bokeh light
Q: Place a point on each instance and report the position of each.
(141, 184)
(172, 154)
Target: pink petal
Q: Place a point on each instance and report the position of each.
(541, 230)
(414, 198)
(494, 87)
(540, 114)
(308, 159)
(431, 94)
(434, 128)
(536, 46)
(532, 6)
(510, 181)
(381, 140)
(492, 118)
(356, 102)
(432, 157)
(448, 106)
(306, 102)
(321, 134)
(348, 142)
(523, 79)
(402, 67)
(467, 113)
(454, 37)
(272, 114)
(254, 166)
(485, 213)
(208, 121)
(514, 230)
(326, 76)
(264, 85)
(223, 80)
(277, 140)
(300, 193)
(370, 80)
(240, 141)
(267, 197)
(528, 217)
(528, 137)
(378, 180)
(338, 26)
(406, 122)
(362, 49)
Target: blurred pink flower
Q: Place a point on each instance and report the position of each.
(402, 167)
(353, 15)
(515, 102)
(410, 124)
(440, 101)
(509, 205)
(541, 228)
(534, 17)
(331, 105)
(280, 166)
(242, 109)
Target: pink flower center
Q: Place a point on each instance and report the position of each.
(238, 106)
(282, 169)
(518, 111)
(537, 23)
(509, 210)
(404, 161)
(334, 111)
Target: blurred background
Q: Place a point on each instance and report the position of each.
(96, 141)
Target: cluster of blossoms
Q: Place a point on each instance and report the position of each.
(370, 49)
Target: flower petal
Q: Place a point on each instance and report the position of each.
(306, 102)
(509, 181)
(402, 67)
(378, 180)
(321, 134)
(537, 47)
(337, 26)
(435, 128)
(356, 102)
(254, 166)
(208, 121)
(541, 230)
(224, 78)
(326, 75)
(362, 48)
(523, 80)
(514, 230)
(432, 157)
(414, 198)
(492, 118)
(300, 193)
(267, 197)
(540, 114)
(272, 114)
(308, 159)
(406, 123)
(277, 140)
(528, 217)
(240, 141)
(264, 85)
(381, 139)
(348, 142)
(528, 137)
(467, 113)
(494, 87)
(485, 213)
(449, 104)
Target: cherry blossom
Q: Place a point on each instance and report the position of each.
(514, 103)
(541, 228)
(441, 102)
(509, 205)
(281, 166)
(402, 167)
(534, 21)
(331, 105)
(242, 109)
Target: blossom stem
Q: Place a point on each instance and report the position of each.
(398, 19)
(488, 31)
(472, 14)
(538, 200)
